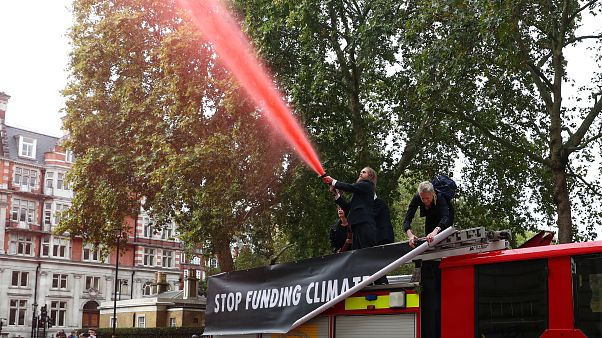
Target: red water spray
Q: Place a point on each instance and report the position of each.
(219, 27)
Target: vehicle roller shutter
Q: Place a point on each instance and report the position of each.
(315, 328)
(376, 326)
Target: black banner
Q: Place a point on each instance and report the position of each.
(270, 299)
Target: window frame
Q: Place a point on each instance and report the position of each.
(62, 281)
(61, 310)
(149, 257)
(20, 279)
(20, 312)
(30, 143)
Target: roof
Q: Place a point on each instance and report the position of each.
(522, 254)
(44, 143)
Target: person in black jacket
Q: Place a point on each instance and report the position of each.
(359, 209)
(341, 238)
(434, 207)
(382, 218)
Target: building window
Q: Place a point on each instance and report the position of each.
(24, 210)
(69, 156)
(167, 232)
(47, 214)
(20, 278)
(212, 262)
(141, 321)
(92, 282)
(113, 322)
(147, 289)
(149, 257)
(25, 177)
(172, 322)
(147, 227)
(49, 179)
(21, 245)
(59, 281)
(27, 147)
(18, 309)
(58, 310)
(167, 259)
(91, 254)
(55, 247)
(59, 209)
(60, 181)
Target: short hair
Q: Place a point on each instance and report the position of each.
(427, 186)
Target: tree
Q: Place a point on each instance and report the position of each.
(155, 122)
(504, 66)
(343, 66)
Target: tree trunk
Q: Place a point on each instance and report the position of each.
(563, 206)
(224, 255)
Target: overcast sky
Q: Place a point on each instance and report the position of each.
(33, 58)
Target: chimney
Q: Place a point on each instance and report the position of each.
(191, 285)
(161, 282)
(3, 103)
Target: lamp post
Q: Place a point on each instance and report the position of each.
(114, 324)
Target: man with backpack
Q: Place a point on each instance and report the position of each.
(435, 206)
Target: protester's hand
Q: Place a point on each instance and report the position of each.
(412, 241)
(430, 237)
(327, 180)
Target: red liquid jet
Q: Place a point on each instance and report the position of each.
(219, 27)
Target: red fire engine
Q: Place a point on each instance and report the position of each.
(534, 291)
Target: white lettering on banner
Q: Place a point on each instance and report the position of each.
(316, 292)
(331, 290)
(297, 295)
(307, 296)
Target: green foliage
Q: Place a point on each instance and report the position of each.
(155, 123)
(504, 75)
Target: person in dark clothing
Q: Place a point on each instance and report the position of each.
(359, 209)
(437, 212)
(341, 237)
(438, 216)
(382, 218)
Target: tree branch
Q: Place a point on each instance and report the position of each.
(573, 15)
(581, 38)
(589, 186)
(575, 139)
(510, 145)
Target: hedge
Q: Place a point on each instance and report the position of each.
(137, 332)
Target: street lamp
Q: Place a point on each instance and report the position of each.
(114, 324)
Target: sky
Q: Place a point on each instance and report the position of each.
(34, 53)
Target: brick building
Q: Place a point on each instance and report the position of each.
(39, 267)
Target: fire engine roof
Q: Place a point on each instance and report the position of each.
(538, 252)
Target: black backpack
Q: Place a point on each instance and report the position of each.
(445, 186)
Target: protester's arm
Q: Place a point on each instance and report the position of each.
(407, 227)
(363, 187)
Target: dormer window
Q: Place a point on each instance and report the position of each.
(27, 147)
